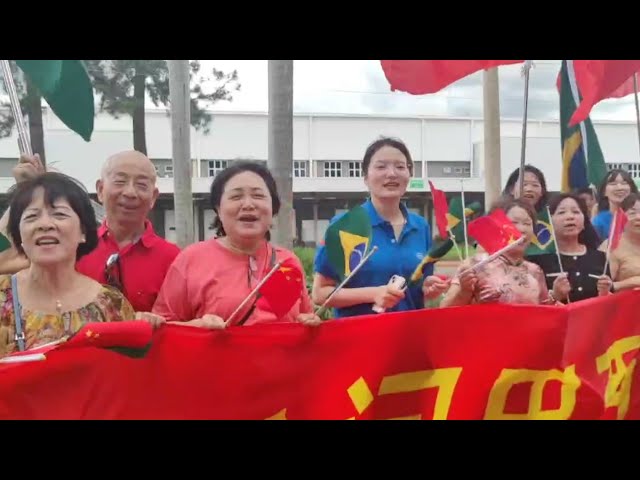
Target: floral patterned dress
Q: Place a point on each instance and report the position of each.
(41, 328)
(523, 283)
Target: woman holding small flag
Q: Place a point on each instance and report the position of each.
(238, 278)
(535, 194)
(577, 253)
(615, 187)
(624, 254)
(503, 276)
(401, 239)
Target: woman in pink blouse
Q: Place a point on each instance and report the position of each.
(508, 278)
(209, 280)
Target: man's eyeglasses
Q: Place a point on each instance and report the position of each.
(113, 272)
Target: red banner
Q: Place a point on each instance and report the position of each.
(478, 362)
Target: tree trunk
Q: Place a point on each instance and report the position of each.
(139, 131)
(492, 165)
(179, 95)
(34, 112)
(280, 159)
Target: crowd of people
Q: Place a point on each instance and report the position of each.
(64, 270)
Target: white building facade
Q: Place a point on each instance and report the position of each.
(327, 151)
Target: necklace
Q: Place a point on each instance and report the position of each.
(66, 319)
(227, 243)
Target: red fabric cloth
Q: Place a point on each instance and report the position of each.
(474, 362)
(420, 77)
(597, 80)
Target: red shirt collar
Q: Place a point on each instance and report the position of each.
(147, 239)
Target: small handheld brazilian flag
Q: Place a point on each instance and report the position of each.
(542, 241)
(348, 240)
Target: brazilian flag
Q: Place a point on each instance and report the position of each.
(543, 237)
(348, 240)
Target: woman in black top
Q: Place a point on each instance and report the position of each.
(577, 242)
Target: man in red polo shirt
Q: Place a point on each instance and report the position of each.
(129, 254)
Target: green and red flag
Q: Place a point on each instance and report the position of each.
(66, 87)
(441, 208)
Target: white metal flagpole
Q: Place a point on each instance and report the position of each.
(523, 148)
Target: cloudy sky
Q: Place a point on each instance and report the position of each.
(359, 86)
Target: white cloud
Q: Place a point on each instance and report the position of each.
(360, 87)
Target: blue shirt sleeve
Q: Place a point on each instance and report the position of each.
(321, 262)
(428, 270)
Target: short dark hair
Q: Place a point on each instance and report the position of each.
(630, 201)
(506, 203)
(588, 237)
(585, 190)
(221, 179)
(603, 201)
(513, 178)
(56, 185)
(385, 142)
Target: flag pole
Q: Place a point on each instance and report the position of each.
(253, 292)
(635, 94)
(555, 242)
(24, 142)
(525, 71)
(610, 241)
(344, 282)
(455, 245)
(493, 256)
(464, 220)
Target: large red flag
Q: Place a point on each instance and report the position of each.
(494, 231)
(420, 77)
(597, 80)
(627, 88)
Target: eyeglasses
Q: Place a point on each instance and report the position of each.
(113, 272)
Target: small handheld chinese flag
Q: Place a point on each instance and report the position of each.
(617, 227)
(127, 334)
(283, 288)
(494, 231)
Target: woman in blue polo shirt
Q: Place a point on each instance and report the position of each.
(402, 238)
(615, 187)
